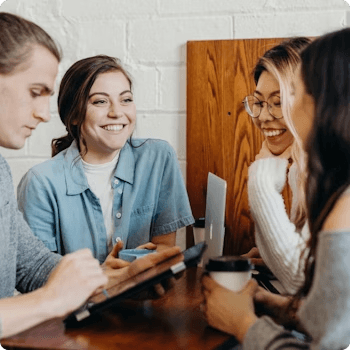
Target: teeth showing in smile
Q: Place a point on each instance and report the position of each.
(113, 127)
(273, 133)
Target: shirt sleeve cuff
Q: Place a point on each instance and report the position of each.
(173, 226)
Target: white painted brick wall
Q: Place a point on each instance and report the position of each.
(150, 37)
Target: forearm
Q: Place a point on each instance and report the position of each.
(25, 311)
(165, 241)
(281, 311)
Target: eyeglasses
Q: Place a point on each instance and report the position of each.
(253, 106)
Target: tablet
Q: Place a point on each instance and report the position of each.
(133, 285)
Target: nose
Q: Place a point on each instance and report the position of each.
(42, 111)
(265, 114)
(114, 112)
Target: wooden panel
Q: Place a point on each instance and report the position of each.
(221, 137)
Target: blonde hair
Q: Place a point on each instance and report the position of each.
(281, 61)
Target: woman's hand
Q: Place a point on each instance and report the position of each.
(271, 300)
(148, 245)
(136, 267)
(228, 311)
(278, 307)
(112, 261)
(254, 257)
(76, 277)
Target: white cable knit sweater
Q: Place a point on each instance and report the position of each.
(280, 245)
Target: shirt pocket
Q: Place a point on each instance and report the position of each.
(140, 226)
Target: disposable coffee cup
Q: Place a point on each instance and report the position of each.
(231, 272)
(199, 230)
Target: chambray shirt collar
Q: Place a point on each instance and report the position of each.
(126, 164)
(76, 180)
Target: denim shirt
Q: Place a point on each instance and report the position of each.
(150, 199)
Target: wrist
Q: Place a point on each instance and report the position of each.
(244, 327)
(49, 303)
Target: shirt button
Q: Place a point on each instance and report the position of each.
(118, 215)
(116, 181)
(118, 239)
(120, 191)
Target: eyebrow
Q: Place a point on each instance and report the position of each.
(45, 87)
(105, 94)
(272, 93)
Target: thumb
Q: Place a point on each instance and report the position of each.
(251, 287)
(116, 249)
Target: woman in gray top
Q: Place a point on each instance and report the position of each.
(321, 116)
(28, 67)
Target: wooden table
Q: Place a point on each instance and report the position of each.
(171, 322)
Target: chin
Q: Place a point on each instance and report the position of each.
(13, 144)
(277, 150)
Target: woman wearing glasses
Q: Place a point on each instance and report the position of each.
(280, 239)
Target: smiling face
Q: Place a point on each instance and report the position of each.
(277, 135)
(110, 118)
(303, 108)
(24, 97)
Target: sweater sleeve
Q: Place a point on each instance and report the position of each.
(325, 313)
(267, 335)
(280, 245)
(34, 260)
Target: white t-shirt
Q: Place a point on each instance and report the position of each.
(99, 177)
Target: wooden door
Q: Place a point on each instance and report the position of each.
(221, 137)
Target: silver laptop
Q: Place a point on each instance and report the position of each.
(215, 217)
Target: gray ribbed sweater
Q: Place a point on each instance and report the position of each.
(25, 262)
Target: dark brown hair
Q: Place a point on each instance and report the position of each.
(326, 74)
(74, 95)
(281, 55)
(18, 36)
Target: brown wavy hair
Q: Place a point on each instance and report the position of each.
(74, 95)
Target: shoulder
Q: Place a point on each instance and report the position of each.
(4, 167)
(339, 218)
(6, 184)
(154, 147)
(49, 169)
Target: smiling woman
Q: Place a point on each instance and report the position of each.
(280, 238)
(101, 187)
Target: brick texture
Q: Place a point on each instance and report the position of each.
(150, 37)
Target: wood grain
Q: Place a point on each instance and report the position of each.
(171, 322)
(221, 137)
